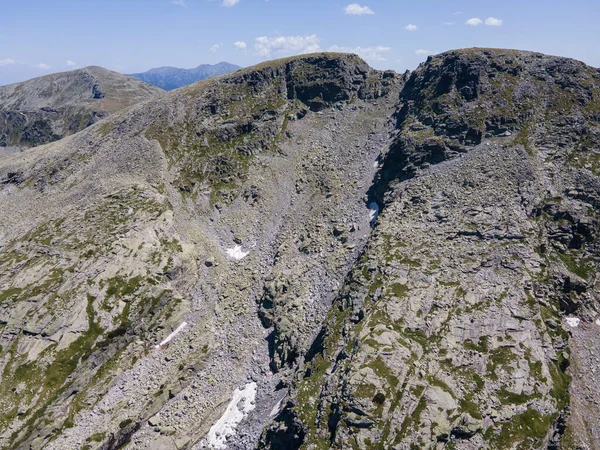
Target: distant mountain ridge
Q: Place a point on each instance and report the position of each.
(50, 107)
(169, 78)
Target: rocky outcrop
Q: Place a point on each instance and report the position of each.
(455, 101)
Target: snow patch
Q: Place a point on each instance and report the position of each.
(239, 407)
(170, 337)
(573, 321)
(276, 408)
(373, 211)
(237, 252)
(598, 322)
(376, 164)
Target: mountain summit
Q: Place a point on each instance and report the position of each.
(169, 78)
(311, 254)
(47, 108)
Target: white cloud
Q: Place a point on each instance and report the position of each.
(369, 53)
(229, 3)
(411, 27)
(354, 9)
(475, 21)
(449, 23)
(265, 46)
(43, 66)
(423, 52)
(214, 48)
(457, 13)
(493, 22)
(180, 3)
(71, 63)
(240, 45)
(7, 62)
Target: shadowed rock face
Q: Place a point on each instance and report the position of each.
(242, 206)
(48, 108)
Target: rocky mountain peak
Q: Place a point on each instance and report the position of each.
(317, 80)
(456, 100)
(48, 108)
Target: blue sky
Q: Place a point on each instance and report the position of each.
(43, 36)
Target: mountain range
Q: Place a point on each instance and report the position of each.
(311, 254)
(169, 78)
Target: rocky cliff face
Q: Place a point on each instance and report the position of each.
(48, 108)
(211, 264)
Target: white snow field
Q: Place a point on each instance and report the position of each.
(239, 407)
(237, 252)
(170, 337)
(276, 408)
(373, 211)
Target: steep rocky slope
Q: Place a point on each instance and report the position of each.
(206, 269)
(450, 330)
(169, 78)
(48, 108)
(139, 223)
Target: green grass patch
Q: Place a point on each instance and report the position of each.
(529, 429)
(482, 345)
(97, 437)
(471, 408)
